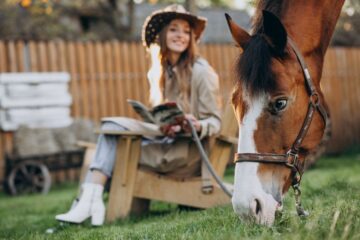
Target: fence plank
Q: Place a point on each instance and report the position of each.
(331, 79)
(127, 90)
(53, 63)
(143, 66)
(134, 73)
(12, 57)
(3, 57)
(75, 82)
(43, 56)
(84, 93)
(20, 45)
(94, 91)
(110, 79)
(61, 55)
(101, 79)
(118, 78)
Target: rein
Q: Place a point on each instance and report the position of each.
(291, 158)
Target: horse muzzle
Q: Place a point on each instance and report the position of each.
(260, 207)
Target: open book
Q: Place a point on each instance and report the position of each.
(165, 114)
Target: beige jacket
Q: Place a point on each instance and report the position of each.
(181, 158)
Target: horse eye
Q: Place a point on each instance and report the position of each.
(278, 105)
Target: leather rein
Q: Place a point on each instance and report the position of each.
(291, 158)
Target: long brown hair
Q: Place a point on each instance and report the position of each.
(159, 59)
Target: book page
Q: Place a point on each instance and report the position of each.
(142, 110)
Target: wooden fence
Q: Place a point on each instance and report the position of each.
(105, 74)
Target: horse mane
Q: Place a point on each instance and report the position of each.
(253, 67)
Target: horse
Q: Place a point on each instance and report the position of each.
(278, 102)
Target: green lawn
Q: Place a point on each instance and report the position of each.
(331, 188)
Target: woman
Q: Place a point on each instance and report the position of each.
(177, 74)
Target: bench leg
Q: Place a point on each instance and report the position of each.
(124, 175)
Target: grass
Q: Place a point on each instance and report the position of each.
(331, 191)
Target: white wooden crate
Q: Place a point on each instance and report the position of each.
(36, 99)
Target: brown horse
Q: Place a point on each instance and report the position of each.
(278, 101)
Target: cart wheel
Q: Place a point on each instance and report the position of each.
(29, 177)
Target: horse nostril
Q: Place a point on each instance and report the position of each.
(257, 206)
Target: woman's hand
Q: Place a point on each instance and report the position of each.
(194, 121)
(170, 130)
(173, 130)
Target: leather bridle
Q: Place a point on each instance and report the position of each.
(291, 158)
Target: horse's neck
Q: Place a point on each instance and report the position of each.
(311, 23)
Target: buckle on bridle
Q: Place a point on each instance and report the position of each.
(292, 159)
(314, 99)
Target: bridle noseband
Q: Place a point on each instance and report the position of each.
(291, 158)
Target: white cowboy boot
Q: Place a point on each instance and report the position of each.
(90, 204)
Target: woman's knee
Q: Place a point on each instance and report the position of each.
(112, 126)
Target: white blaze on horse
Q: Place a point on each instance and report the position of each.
(278, 101)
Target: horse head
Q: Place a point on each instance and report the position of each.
(282, 116)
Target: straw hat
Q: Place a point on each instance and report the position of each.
(160, 18)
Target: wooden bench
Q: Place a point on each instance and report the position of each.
(132, 188)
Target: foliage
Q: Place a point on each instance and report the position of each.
(347, 32)
(109, 19)
(330, 189)
(66, 19)
(199, 3)
(16, 22)
(78, 20)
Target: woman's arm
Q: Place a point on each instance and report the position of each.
(208, 101)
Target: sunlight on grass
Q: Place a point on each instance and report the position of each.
(330, 192)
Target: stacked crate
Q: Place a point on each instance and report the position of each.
(36, 100)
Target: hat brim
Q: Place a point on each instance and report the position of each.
(157, 21)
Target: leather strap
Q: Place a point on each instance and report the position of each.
(304, 128)
(304, 67)
(289, 160)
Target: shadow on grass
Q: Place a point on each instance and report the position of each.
(158, 210)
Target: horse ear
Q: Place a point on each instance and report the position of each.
(240, 36)
(275, 31)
